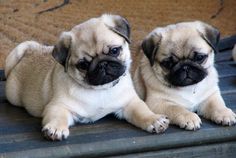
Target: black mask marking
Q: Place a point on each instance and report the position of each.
(186, 73)
(104, 69)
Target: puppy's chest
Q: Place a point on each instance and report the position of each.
(93, 105)
(191, 97)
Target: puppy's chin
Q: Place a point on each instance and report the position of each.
(186, 74)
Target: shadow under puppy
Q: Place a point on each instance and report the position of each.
(81, 79)
(176, 75)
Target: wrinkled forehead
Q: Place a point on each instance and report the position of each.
(182, 41)
(95, 32)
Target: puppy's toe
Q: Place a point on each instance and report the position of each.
(189, 121)
(158, 124)
(225, 117)
(55, 133)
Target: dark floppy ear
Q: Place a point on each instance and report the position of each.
(61, 51)
(211, 35)
(150, 47)
(121, 26)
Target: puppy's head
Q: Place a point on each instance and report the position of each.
(96, 53)
(182, 54)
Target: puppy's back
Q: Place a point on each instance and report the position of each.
(27, 69)
(27, 47)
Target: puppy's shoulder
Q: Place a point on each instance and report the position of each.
(136, 55)
(136, 72)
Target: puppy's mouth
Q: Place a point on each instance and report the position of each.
(185, 74)
(104, 69)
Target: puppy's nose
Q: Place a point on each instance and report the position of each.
(186, 68)
(103, 64)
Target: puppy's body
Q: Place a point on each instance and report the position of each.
(159, 82)
(32, 75)
(189, 97)
(81, 79)
(26, 77)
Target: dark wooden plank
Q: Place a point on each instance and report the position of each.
(2, 92)
(230, 100)
(222, 150)
(2, 76)
(228, 84)
(227, 43)
(224, 56)
(226, 69)
(132, 145)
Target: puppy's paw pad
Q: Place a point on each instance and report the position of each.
(225, 117)
(158, 124)
(189, 121)
(55, 133)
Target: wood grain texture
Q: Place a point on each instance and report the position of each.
(221, 150)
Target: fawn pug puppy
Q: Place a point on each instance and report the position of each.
(84, 77)
(176, 75)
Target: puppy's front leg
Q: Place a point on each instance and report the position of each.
(214, 109)
(138, 113)
(177, 114)
(56, 122)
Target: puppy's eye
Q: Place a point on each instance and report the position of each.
(83, 64)
(168, 63)
(115, 52)
(199, 57)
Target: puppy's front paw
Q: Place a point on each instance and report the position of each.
(225, 117)
(188, 120)
(53, 132)
(157, 123)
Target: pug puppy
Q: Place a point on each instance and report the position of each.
(84, 77)
(176, 75)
